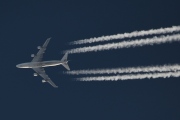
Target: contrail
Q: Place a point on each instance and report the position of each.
(128, 44)
(131, 76)
(164, 68)
(129, 35)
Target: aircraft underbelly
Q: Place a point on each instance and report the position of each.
(50, 65)
(47, 64)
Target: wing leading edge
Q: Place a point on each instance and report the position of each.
(42, 73)
(38, 57)
(40, 70)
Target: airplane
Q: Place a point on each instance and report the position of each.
(38, 65)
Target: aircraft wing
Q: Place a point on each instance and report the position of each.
(38, 57)
(42, 73)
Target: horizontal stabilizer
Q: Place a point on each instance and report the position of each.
(65, 57)
(66, 66)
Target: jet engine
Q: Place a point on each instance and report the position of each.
(38, 47)
(32, 55)
(35, 74)
(43, 81)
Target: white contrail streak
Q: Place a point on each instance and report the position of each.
(131, 76)
(164, 68)
(129, 35)
(127, 44)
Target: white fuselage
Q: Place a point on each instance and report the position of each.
(40, 64)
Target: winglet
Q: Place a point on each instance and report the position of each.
(50, 82)
(46, 42)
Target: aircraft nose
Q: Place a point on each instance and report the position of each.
(17, 66)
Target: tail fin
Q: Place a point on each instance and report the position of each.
(64, 59)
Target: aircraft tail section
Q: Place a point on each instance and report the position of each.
(64, 59)
(66, 66)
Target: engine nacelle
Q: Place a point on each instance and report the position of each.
(43, 81)
(35, 74)
(38, 47)
(32, 55)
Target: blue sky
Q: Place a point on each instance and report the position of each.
(24, 25)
